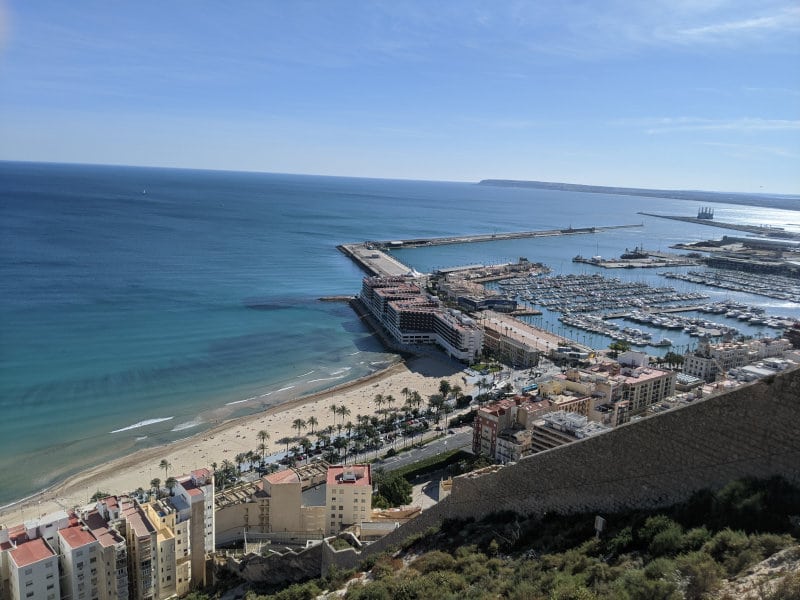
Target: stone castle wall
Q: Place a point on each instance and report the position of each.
(660, 460)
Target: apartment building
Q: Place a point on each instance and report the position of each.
(489, 422)
(275, 504)
(31, 570)
(558, 428)
(81, 566)
(348, 496)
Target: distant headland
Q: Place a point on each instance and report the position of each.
(783, 201)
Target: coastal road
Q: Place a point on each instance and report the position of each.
(459, 440)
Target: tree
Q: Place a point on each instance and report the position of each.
(335, 410)
(240, 459)
(263, 436)
(98, 495)
(343, 411)
(340, 443)
(170, 484)
(444, 388)
(378, 401)
(164, 464)
(457, 392)
(285, 440)
(306, 445)
(389, 400)
(262, 448)
(406, 392)
(312, 422)
(393, 490)
(618, 346)
(298, 424)
(155, 485)
(436, 402)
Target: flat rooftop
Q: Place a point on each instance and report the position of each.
(75, 537)
(30, 552)
(349, 475)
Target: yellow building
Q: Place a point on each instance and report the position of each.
(348, 496)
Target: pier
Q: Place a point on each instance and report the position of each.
(492, 237)
(372, 256)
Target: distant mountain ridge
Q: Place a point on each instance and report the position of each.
(782, 201)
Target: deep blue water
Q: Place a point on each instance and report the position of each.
(138, 306)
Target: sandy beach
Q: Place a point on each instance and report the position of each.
(232, 437)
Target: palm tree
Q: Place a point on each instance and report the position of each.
(170, 484)
(416, 399)
(164, 464)
(389, 400)
(335, 410)
(405, 391)
(457, 392)
(263, 436)
(285, 440)
(436, 402)
(340, 443)
(298, 424)
(262, 448)
(349, 427)
(155, 485)
(240, 458)
(378, 401)
(312, 422)
(445, 388)
(343, 411)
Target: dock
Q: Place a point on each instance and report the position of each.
(372, 256)
(493, 237)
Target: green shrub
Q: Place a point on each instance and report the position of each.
(434, 561)
(669, 541)
(701, 574)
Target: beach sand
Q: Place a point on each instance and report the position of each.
(239, 435)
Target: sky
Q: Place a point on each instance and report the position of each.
(680, 94)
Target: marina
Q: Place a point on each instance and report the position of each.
(771, 286)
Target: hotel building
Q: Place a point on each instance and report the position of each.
(412, 317)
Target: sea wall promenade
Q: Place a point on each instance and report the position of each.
(372, 257)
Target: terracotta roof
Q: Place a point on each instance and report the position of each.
(30, 552)
(75, 537)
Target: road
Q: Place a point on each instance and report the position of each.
(461, 439)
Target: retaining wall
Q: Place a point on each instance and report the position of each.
(657, 461)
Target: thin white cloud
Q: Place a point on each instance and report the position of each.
(787, 20)
(752, 151)
(679, 124)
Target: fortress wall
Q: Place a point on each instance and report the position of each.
(660, 460)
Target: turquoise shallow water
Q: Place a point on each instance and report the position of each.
(138, 306)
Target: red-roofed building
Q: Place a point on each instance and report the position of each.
(81, 563)
(348, 496)
(30, 571)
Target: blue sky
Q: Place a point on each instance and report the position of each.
(689, 94)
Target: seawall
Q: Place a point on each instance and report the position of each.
(660, 460)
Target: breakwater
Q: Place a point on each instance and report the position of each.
(493, 237)
(773, 232)
(374, 259)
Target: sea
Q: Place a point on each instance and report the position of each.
(139, 306)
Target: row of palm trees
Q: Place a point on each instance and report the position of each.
(363, 434)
